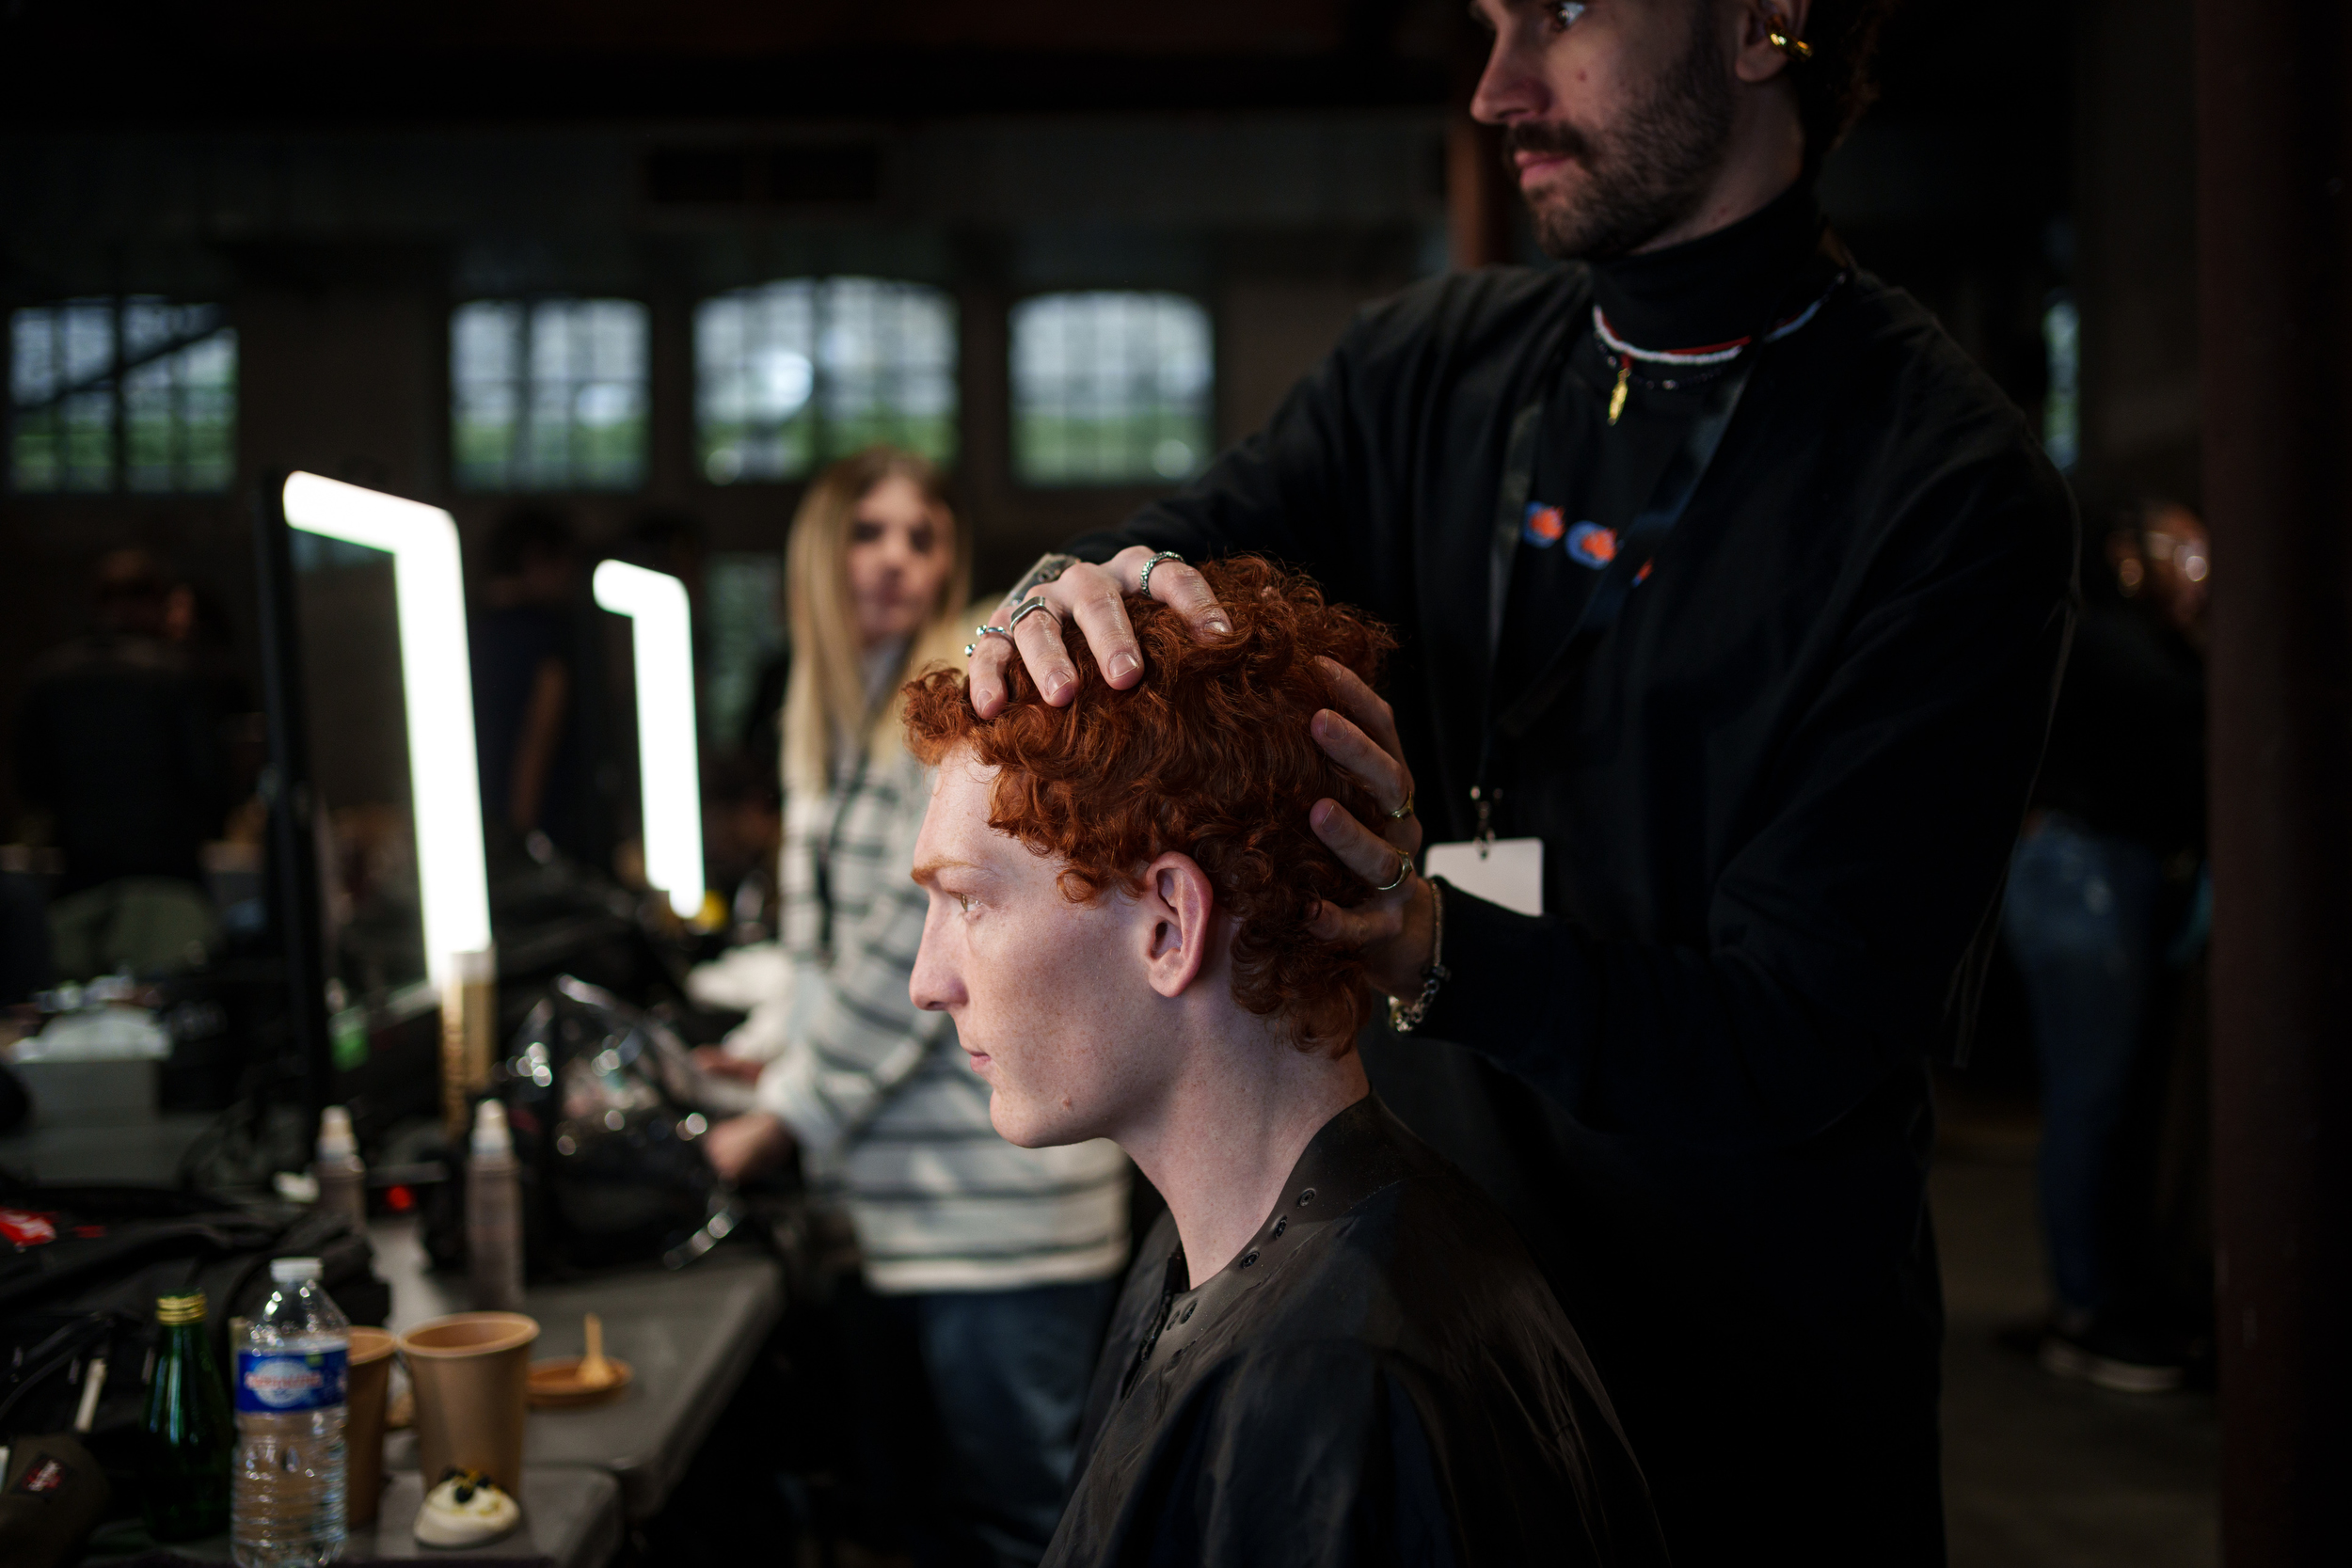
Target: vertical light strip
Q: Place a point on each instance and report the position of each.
(666, 758)
(436, 683)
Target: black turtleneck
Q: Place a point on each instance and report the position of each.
(1591, 477)
(1776, 801)
(1716, 287)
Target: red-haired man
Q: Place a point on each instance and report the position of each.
(1332, 1349)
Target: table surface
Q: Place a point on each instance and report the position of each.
(145, 1151)
(571, 1519)
(689, 1338)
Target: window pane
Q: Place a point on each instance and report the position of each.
(1109, 388)
(178, 394)
(794, 374)
(549, 395)
(169, 398)
(61, 396)
(2061, 404)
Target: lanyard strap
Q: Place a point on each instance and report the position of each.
(1636, 548)
(821, 880)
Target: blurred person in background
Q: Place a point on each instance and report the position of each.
(118, 745)
(988, 1270)
(531, 674)
(2104, 895)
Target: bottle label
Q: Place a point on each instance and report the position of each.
(273, 1382)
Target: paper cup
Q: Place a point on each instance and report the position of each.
(471, 1374)
(363, 1420)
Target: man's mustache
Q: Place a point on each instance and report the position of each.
(1556, 140)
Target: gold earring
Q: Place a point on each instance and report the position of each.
(1776, 34)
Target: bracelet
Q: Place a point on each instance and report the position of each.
(1405, 1017)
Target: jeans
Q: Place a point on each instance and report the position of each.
(2080, 922)
(969, 1410)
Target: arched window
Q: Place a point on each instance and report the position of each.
(1109, 388)
(791, 374)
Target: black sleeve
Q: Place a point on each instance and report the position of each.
(1840, 930)
(35, 748)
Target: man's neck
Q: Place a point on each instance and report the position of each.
(1222, 1141)
(1718, 287)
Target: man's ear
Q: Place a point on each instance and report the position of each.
(1758, 60)
(1179, 922)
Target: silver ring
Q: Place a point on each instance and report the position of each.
(979, 632)
(1404, 869)
(1029, 607)
(1143, 585)
(1404, 811)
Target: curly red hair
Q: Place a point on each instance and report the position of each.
(1208, 755)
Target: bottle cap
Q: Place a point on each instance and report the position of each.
(186, 1309)
(335, 1139)
(293, 1271)
(489, 1129)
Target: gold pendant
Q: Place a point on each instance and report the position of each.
(1625, 378)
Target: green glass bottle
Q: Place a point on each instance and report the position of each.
(186, 1433)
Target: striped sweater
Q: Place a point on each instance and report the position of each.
(886, 1107)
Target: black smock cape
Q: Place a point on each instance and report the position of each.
(1381, 1377)
(1776, 803)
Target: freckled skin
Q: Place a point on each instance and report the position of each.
(1115, 1018)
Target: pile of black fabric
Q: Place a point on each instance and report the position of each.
(81, 1267)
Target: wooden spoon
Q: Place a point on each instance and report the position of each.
(595, 1370)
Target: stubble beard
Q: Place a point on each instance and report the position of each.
(1648, 172)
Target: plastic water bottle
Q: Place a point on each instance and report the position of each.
(286, 1489)
(494, 1215)
(343, 1179)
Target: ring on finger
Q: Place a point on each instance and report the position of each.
(1144, 584)
(1030, 607)
(979, 632)
(1404, 811)
(1404, 869)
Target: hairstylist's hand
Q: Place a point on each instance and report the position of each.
(1091, 595)
(1394, 930)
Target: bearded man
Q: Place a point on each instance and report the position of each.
(1730, 601)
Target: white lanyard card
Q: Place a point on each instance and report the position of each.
(1504, 871)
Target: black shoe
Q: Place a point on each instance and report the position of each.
(2115, 1356)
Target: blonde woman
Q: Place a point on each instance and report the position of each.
(989, 1268)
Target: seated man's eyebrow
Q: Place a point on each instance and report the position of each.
(926, 871)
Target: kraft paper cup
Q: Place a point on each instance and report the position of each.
(471, 1373)
(363, 1420)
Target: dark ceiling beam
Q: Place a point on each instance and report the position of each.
(391, 87)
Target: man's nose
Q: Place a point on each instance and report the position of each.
(931, 986)
(1509, 87)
